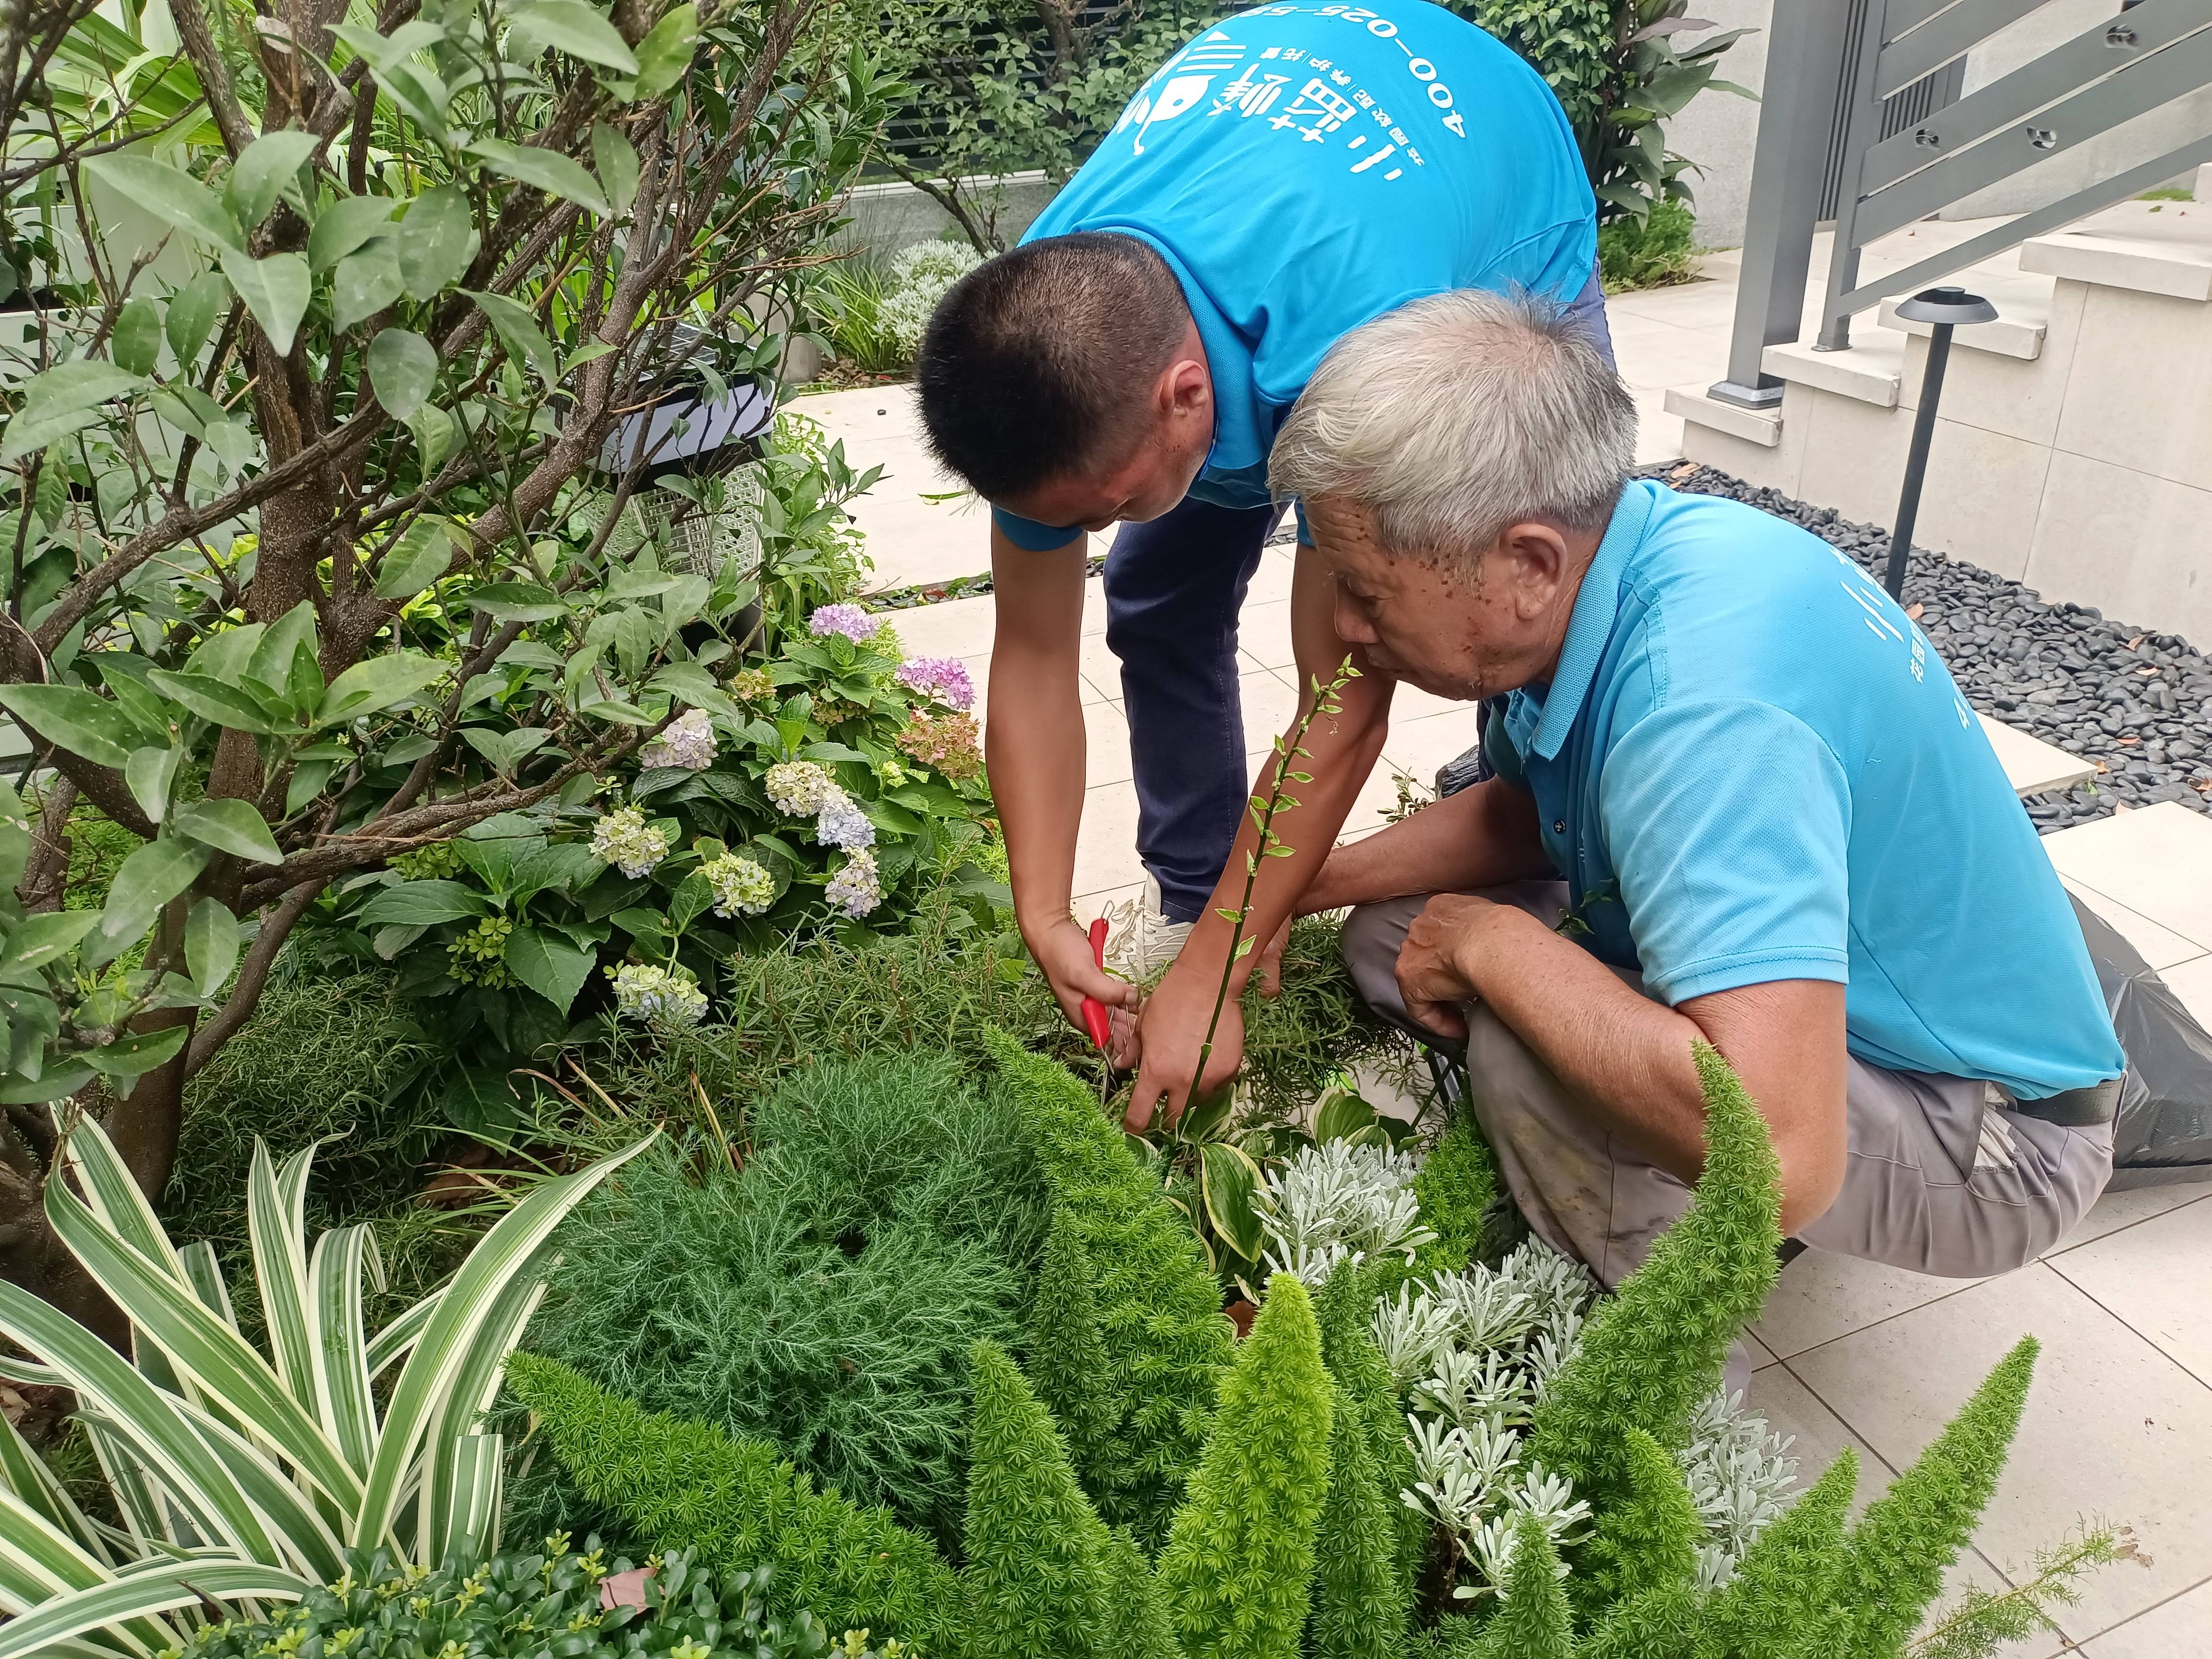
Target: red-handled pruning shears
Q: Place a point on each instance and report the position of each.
(1094, 1011)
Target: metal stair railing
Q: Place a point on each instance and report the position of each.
(1831, 69)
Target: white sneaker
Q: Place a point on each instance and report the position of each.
(1141, 941)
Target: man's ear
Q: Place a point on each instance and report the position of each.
(1536, 557)
(1185, 388)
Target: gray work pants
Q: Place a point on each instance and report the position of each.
(1942, 1177)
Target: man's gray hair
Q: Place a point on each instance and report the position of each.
(1455, 417)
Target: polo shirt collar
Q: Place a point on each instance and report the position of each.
(1590, 625)
(1243, 427)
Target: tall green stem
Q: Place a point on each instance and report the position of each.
(1263, 812)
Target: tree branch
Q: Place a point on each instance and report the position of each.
(252, 976)
(199, 43)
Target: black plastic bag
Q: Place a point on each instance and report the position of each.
(2163, 1134)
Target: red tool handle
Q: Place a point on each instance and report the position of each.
(1094, 1011)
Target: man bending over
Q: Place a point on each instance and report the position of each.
(1731, 765)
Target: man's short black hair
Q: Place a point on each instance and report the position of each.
(1036, 362)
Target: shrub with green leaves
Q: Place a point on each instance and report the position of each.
(826, 1296)
(1237, 1570)
(1157, 1305)
(1035, 1562)
(732, 1499)
(1652, 252)
(513, 1606)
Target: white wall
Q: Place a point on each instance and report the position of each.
(1718, 130)
(888, 217)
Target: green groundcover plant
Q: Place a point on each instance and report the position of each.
(1483, 1463)
(523, 1606)
(820, 1287)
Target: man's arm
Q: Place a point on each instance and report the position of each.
(1628, 1057)
(1342, 751)
(1033, 740)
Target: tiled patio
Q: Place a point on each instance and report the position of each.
(2119, 1423)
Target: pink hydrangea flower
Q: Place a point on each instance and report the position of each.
(854, 623)
(944, 678)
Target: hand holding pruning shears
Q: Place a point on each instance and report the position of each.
(1072, 964)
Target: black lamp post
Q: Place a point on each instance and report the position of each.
(1945, 308)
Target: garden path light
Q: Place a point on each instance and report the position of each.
(1945, 307)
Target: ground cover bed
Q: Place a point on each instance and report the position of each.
(864, 1316)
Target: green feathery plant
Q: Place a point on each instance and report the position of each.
(1985, 1620)
(1034, 1572)
(1262, 810)
(1652, 1352)
(1532, 1621)
(1894, 1559)
(1783, 1593)
(1362, 1602)
(686, 1484)
(1457, 1184)
(1239, 1567)
(1138, 1625)
(1067, 1359)
(241, 1477)
(1157, 1305)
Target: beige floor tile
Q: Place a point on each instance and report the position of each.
(1271, 704)
(1263, 634)
(2032, 766)
(2127, 1209)
(1094, 605)
(1272, 581)
(2192, 983)
(2157, 861)
(910, 538)
(1100, 669)
(1106, 846)
(2178, 1629)
(1105, 744)
(1658, 430)
(1409, 702)
(1761, 1355)
(1820, 1296)
(1653, 362)
(1420, 747)
(956, 628)
(2161, 947)
(2157, 1278)
(1376, 796)
(2112, 1427)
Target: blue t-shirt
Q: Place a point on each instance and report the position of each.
(1303, 169)
(1750, 767)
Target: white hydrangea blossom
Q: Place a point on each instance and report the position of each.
(687, 741)
(741, 887)
(839, 821)
(659, 996)
(1340, 1203)
(623, 839)
(857, 889)
(798, 788)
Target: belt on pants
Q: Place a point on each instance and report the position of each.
(2076, 1109)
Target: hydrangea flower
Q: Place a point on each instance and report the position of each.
(944, 678)
(623, 839)
(840, 823)
(798, 788)
(857, 889)
(659, 996)
(752, 685)
(687, 741)
(947, 742)
(741, 887)
(854, 623)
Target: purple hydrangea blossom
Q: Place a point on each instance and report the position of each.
(854, 623)
(858, 888)
(944, 678)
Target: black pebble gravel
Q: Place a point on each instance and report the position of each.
(2136, 703)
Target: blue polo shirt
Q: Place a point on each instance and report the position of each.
(1303, 169)
(1750, 767)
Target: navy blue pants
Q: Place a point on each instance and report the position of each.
(1174, 588)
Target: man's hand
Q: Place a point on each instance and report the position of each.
(1434, 975)
(1171, 1028)
(1062, 951)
